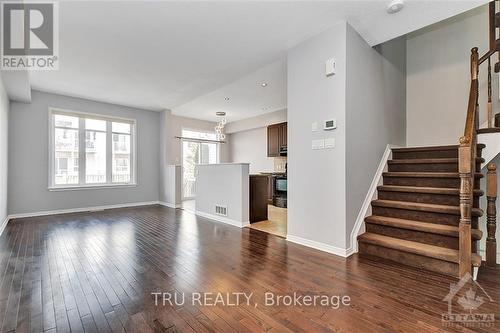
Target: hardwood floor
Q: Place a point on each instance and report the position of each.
(95, 272)
(276, 224)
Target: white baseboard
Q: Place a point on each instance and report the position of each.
(83, 209)
(222, 219)
(4, 224)
(371, 195)
(319, 246)
(170, 205)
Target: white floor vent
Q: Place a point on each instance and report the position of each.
(221, 210)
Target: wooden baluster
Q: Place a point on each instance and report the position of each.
(464, 229)
(490, 106)
(491, 213)
(491, 28)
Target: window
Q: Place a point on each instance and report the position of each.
(196, 149)
(90, 150)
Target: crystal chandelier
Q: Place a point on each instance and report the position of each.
(219, 129)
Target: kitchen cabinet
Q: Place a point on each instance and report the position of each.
(283, 135)
(270, 189)
(258, 198)
(277, 140)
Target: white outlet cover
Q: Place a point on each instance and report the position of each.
(314, 126)
(330, 143)
(318, 144)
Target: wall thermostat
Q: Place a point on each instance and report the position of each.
(330, 124)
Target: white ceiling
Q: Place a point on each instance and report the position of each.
(181, 55)
(247, 97)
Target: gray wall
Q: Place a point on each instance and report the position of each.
(224, 184)
(263, 120)
(438, 77)
(316, 178)
(438, 81)
(4, 130)
(248, 141)
(170, 148)
(28, 156)
(251, 147)
(375, 113)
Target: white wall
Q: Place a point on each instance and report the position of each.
(28, 157)
(263, 120)
(227, 185)
(4, 130)
(251, 147)
(248, 141)
(375, 111)
(438, 77)
(316, 178)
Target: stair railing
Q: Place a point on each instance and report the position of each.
(467, 168)
(467, 153)
(491, 215)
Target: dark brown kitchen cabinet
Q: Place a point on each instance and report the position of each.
(277, 140)
(283, 135)
(273, 141)
(270, 189)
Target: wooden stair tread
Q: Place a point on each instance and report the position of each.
(430, 160)
(427, 174)
(488, 130)
(426, 207)
(419, 189)
(433, 228)
(425, 250)
(431, 148)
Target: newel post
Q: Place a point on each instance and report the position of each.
(464, 229)
(491, 215)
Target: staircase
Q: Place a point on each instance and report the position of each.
(417, 213)
(427, 210)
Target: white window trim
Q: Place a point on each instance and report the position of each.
(81, 149)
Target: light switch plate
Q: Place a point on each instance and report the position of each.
(314, 127)
(318, 144)
(329, 143)
(330, 67)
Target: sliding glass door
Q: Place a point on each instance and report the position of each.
(194, 153)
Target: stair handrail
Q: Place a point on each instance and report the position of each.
(467, 150)
(467, 168)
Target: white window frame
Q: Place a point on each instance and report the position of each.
(82, 146)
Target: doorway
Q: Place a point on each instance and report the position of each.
(196, 149)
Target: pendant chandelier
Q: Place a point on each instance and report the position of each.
(219, 129)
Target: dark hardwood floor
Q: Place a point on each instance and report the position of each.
(95, 272)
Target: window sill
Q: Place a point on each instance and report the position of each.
(89, 187)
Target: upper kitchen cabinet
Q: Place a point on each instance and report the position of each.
(277, 140)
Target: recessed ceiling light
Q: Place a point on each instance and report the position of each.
(264, 84)
(395, 6)
(226, 98)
